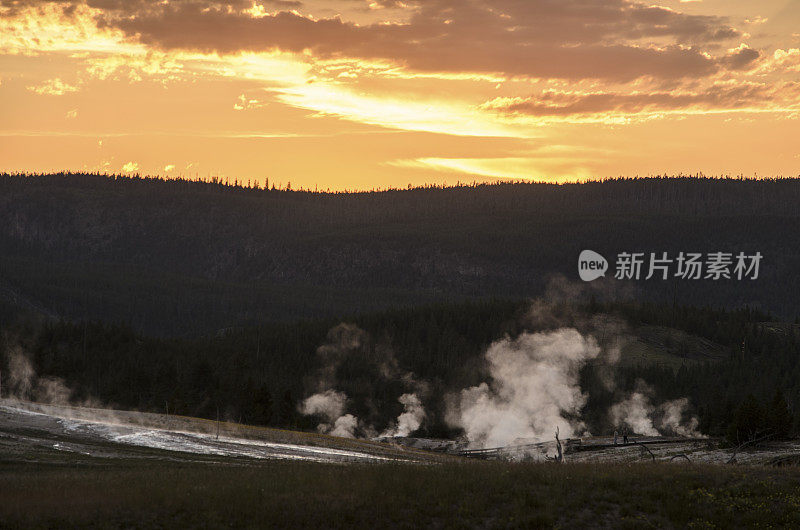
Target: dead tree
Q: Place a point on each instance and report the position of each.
(748, 442)
(560, 456)
(643, 446)
(681, 456)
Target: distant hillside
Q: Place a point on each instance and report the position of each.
(179, 257)
(670, 348)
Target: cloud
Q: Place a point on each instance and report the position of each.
(741, 58)
(435, 116)
(553, 164)
(570, 39)
(605, 105)
(53, 87)
(134, 66)
(782, 61)
(130, 167)
(30, 28)
(435, 66)
(245, 103)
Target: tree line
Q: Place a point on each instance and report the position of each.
(181, 258)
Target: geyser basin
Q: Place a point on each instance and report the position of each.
(29, 430)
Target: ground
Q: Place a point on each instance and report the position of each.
(126, 470)
(472, 494)
(36, 433)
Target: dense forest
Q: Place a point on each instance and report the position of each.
(259, 374)
(180, 258)
(214, 299)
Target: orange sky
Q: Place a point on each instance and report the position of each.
(375, 93)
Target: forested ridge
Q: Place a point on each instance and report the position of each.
(176, 257)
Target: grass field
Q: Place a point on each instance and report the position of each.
(472, 494)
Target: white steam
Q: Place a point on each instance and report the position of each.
(642, 417)
(25, 384)
(673, 414)
(410, 419)
(634, 413)
(344, 426)
(21, 375)
(327, 402)
(534, 389)
(344, 341)
(330, 404)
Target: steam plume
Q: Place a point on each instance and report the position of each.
(411, 418)
(344, 426)
(330, 404)
(534, 389)
(25, 384)
(639, 414)
(347, 342)
(634, 413)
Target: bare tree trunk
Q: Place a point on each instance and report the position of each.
(560, 457)
(643, 446)
(742, 446)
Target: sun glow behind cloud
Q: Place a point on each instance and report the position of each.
(45, 28)
(551, 169)
(436, 116)
(272, 82)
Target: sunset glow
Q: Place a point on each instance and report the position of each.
(364, 94)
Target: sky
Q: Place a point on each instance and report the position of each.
(370, 94)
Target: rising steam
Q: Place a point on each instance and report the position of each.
(347, 341)
(532, 384)
(533, 389)
(24, 384)
(329, 403)
(411, 418)
(640, 415)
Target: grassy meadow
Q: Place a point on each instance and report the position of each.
(471, 494)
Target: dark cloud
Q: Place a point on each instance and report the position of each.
(553, 103)
(569, 39)
(138, 7)
(742, 58)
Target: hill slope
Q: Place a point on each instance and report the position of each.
(176, 257)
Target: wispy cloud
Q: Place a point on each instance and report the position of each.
(563, 168)
(434, 115)
(53, 87)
